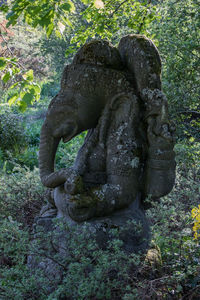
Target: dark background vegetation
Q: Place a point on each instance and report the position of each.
(42, 36)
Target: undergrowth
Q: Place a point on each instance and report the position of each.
(90, 272)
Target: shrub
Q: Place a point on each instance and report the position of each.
(28, 158)
(50, 88)
(1, 158)
(172, 232)
(33, 133)
(89, 272)
(67, 153)
(196, 218)
(16, 279)
(21, 195)
(12, 134)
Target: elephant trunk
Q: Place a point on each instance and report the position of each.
(47, 152)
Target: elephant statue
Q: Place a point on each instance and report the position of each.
(115, 94)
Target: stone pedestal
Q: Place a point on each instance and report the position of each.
(129, 226)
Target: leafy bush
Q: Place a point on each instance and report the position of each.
(67, 153)
(178, 42)
(90, 272)
(21, 195)
(188, 154)
(50, 88)
(1, 158)
(172, 232)
(33, 133)
(109, 274)
(196, 217)
(12, 134)
(28, 158)
(16, 279)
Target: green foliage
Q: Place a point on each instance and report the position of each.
(67, 153)
(178, 36)
(28, 158)
(112, 19)
(26, 90)
(172, 228)
(33, 129)
(44, 13)
(83, 20)
(21, 194)
(16, 279)
(100, 20)
(90, 271)
(50, 88)
(188, 154)
(107, 273)
(12, 134)
(196, 218)
(1, 158)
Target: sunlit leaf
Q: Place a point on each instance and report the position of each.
(22, 106)
(28, 75)
(13, 99)
(50, 29)
(35, 87)
(6, 77)
(3, 63)
(58, 34)
(86, 1)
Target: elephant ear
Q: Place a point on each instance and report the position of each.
(141, 58)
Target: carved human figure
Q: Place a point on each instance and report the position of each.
(116, 95)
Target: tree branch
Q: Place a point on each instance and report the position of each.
(142, 23)
(188, 112)
(117, 8)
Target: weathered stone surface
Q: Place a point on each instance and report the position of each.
(115, 94)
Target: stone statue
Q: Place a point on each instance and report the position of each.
(115, 94)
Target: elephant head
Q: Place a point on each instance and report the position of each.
(68, 114)
(86, 85)
(99, 73)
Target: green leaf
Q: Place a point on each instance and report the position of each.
(58, 34)
(67, 6)
(6, 77)
(3, 63)
(14, 59)
(28, 75)
(36, 88)
(15, 70)
(28, 98)
(49, 29)
(14, 85)
(86, 1)
(13, 99)
(4, 8)
(22, 106)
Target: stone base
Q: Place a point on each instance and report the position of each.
(128, 225)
